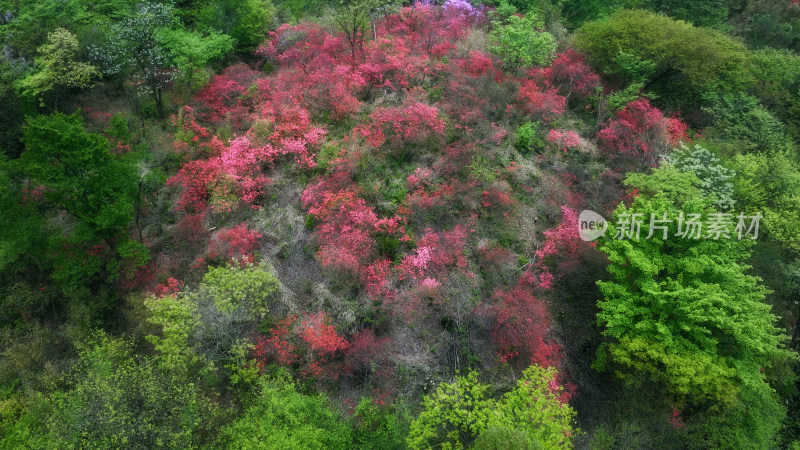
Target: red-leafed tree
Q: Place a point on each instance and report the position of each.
(570, 73)
(414, 123)
(640, 134)
(193, 139)
(540, 100)
(565, 140)
(563, 250)
(521, 329)
(367, 356)
(437, 253)
(224, 93)
(475, 89)
(237, 243)
(307, 343)
(224, 180)
(345, 230)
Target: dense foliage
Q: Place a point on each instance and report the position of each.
(359, 224)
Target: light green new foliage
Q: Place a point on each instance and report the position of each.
(116, 400)
(522, 43)
(460, 413)
(683, 312)
(770, 184)
(178, 319)
(282, 418)
(504, 438)
(534, 408)
(57, 67)
(456, 413)
(211, 322)
(236, 288)
(191, 52)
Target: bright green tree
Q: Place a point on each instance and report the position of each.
(769, 183)
(535, 408)
(279, 417)
(191, 52)
(209, 324)
(246, 21)
(453, 416)
(521, 42)
(680, 311)
(57, 69)
(459, 413)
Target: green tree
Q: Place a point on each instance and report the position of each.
(57, 69)
(76, 173)
(459, 413)
(521, 42)
(702, 13)
(766, 23)
(453, 416)
(246, 21)
(279, 417)
(741, 125)
(716, 181)
(504, 438)
(352, 17)
(578, 12)
(210, 323)
(682, 312)
(135, 46)
(752, 420)
(114, 399)
(21, 224)
(535, 408)
(688, 61)
(769, 183)
(68, 174)
(191, 52)
(776, 75)
(377, 426)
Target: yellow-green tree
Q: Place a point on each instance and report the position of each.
(459, 413)
(57, 69)
(681, 312)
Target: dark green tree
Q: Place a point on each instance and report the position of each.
(87, 193)
(77, 173)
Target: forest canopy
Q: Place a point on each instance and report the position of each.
(383, 224)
